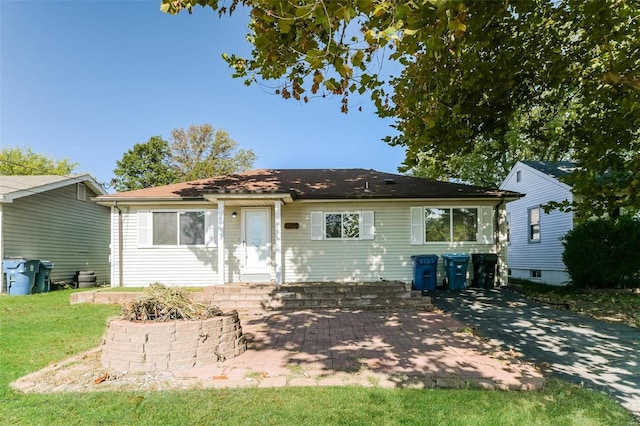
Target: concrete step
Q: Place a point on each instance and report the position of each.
(316, 295)
(258, 297)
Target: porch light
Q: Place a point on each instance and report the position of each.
(234, 215)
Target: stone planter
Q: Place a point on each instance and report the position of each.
(172, 345)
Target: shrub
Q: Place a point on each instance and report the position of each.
(603, 253)
(162, 303)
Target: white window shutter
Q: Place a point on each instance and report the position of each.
(211, 228)
(486, 225)
(144, 228)
(317, 226)
(367, 227)
(417, 225)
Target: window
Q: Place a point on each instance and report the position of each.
(534, 224)
(342, 225)
(518, 176)
(81, 192)
(444, 225)
(508, 228)
(177, 228)
(535, 273)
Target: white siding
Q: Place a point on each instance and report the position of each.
(545, 255)
(385, 257)
(141, 266)
(57, 227)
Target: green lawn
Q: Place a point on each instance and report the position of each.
(39, 329)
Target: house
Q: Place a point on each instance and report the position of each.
(53, 218)
(535, 237)
(297, 225)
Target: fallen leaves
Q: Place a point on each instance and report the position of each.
(102, 378)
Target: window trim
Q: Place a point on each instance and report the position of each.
(81, 192)
(530, 238)
(418, 225)
(145, 228)
(366, 225)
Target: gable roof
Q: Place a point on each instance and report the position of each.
(311, 184)
(18, 186)
(555, 169)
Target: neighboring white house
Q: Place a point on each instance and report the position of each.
(298, 225)
(53, 218)
(535, 237)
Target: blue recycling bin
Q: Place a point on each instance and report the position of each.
(425, 267)
(43, 277)
(455, 266)
(20, 275)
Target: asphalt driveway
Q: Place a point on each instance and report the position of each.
(572, 347)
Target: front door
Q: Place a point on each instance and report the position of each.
(256, 240)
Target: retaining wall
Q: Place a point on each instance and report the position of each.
(173, 345)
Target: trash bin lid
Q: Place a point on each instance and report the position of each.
(12, 263)
(46, 264)
(424, 258)
(484, 256)
(457, 256)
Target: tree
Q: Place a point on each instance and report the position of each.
(200, 152)
(23, 161)
(145, 165)
(470, 72)
(196, 153)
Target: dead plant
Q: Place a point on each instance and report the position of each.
(161, 303)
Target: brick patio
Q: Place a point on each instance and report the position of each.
(403, 348)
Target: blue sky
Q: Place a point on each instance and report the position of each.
(86, 80)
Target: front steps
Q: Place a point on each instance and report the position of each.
(384, 294)
(269, 297)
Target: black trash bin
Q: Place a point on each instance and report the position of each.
(484, 269)
(43, 280)
(455, 266)
(425, 267)
(20, 275)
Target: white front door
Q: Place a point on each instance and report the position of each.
(256, 240)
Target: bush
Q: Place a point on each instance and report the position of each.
(603, 253)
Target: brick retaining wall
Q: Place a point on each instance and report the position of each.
(173, 345)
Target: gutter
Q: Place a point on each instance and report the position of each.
(496, 228)
(120, 244)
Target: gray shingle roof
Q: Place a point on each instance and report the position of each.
(557, 169)
(316, 184)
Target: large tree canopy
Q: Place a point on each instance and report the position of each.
(195, 153)
(200, 152)
(23, 161)
(564, 73)
(144, 166)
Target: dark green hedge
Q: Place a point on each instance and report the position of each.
(603, 253)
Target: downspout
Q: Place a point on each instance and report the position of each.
(120, 244)
(496, 230)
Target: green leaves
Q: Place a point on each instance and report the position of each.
(194, 153)
(491, 81)
(23, 161)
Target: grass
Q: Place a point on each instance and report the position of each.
(614, 305)
(40, 329)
